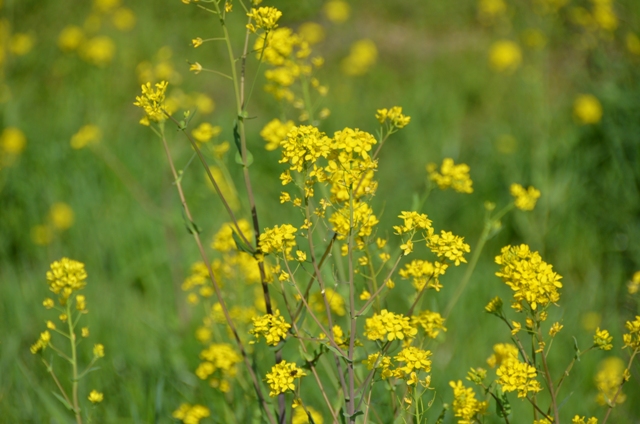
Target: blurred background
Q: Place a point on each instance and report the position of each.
(536, 92)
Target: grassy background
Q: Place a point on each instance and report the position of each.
(432, 61)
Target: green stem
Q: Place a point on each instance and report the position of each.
(74, 364)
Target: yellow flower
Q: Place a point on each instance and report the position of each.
(632, 338)
(587, 109)
(337, 11)
(451, 176)
(525, 199)
(105, 6)
(81, 303)
(502, 352)
(362, 56)
(334, 299)
(220, 359)
(505, 56)
(278, 240)
(602, 340)
(494, 306)
(393, 116)
(555, 329)
(85, 135)
(282, 377)
(42, 343)
(196, 68)
(21, 44)
(205, 132)
(633, 43)
(65, 277)
(12, 141)
(389, 326)
(98, 350)
(98, 51)
(61, 216)
(95, 396)
(189, 414)
(124, 19)
(272, 327)
(447, 245)
(48, 303)
(608, 380)
(584, 420)
(300, 416)
(197, 42)
(634, 285)
(152, 101)
(465, 405)
(264, 17)
(311, 32)
(275, 132)
(70, 38)
(431, 323)
(515, 375)
(85, 332)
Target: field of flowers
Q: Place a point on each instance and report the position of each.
(318, 211)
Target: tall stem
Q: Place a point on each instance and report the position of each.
(74, 365)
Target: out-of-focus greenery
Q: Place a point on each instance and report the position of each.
(515, 124)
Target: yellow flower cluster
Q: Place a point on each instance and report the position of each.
(282, 377)
(303, 146)
(632, 338)
(584, 420)
(465, 405)
(505, 56)
(363, 220)
(515, 375)
(411, 360)
(393, 116)
(446, 245)
(205, 132)
(335, 300)
(264, 17)
(431, 323)
(451, 176)
(587, 109)
(525, 198)
(532, 280)
(278, 240)
(152, 101)
(275, 132)
(338, 336)
(42, 343)
(350, 167)
(608, 379)
(384, 364)
(85, 135)
(502, 352)
(65, 277)
(413, 221)
(389, 326)
(191, 414)
(494, 306)
(219, 359)
(363, 54)
(602, 340)
(272, 327)
(424, 273)
(300, 416)
(634, 285)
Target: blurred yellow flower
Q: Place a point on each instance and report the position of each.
(337, 11)
(61, 216)
(525, 199)
(70, 38)
(197, 42)
(311, 32)
(587, 109)
(204, 103)
(300, 416)
(489, 9)
(21, 44)
(205, 132)
(85, 135)
(609, 379)
(99, 50)
(534, 38)
(12, 141)
(505, 56)
(196, 68)
(633, 43)
(362, 57)
(124, 19)
(106, 6)
(228, 192)
(95, 396)
(634, 285)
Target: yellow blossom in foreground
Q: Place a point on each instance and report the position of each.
(42, 342)
(531, 279)
(265, 18)
(602, 340)
(337, 11)
(502, 352)
(85, 135)
(275, 132)
(465, 405)
(303, 146)
(95, 396)
(65, 277)
(278, 240)
(191, 414)
(61, 216)
(12, 141)
(272, 327)
(505, 56)
(515, 375)
(587, 109)
(152, 101)
(431, 323)
(451, 176)
(494, 306)
(526, 199)
(608, 380)
(196, 68)
(389, 326)
(282, 377)
(362, 56)
(70, 38)
(411, 360)
(555, 329)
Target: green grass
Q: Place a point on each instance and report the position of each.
(130, 233)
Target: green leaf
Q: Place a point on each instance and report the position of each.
(365, 310)
(306, 355)
(249, 159)
(63, 400)
(337, 352)
(236, 136)
(577, 349)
